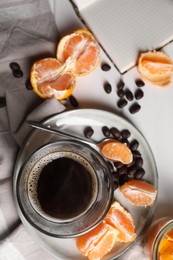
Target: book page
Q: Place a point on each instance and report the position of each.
(125, 28)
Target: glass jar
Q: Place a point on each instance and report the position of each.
(154, 237)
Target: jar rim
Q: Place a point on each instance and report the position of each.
(165, 229)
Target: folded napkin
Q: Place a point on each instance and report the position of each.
(27, 32)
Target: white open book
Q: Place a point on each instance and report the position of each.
(126, 27)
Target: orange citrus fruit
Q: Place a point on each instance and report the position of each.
(80, 51)
(121, 219)
(166, 247)
(156, 68)
(98, 242)
(139, 192)
(50, 78)
(116, 151)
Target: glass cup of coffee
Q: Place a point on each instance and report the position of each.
(65, 188)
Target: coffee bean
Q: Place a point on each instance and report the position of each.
(134, 145)
(139, 83)
(118, 165)
(139, 174)
(139, 162)
(120, 84)
(125, 133)
(125, 141)
(17, 73)
(88, 132)
(131, 170)
(73, 101)
(105, 67)
(14, 66)
(136, 154)
(129, 95)
(115, 132)
(120, 93)
(139, 94)
(106, 131)
(123, 178)
(28, 84)
(107, 88)
(134, 108)
(122, 170)
(122, 103)
(2, 102)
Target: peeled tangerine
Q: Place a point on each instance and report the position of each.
(80, 51)
(49, 78)
(116, 151)
(139, 192)
(117, 226)
(77, 54)
(98, 242)
(121, 219)
(156, 68)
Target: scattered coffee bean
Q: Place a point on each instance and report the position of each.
(14, 66)
(129, 95)
(136, 154)
(125, 141)
(139, 83)
(118, 164)
(107, 88)
(28, 84)
(2, 102)
(139, 162)
(122, 102)
(17, 73)
(134, 108)
(131, 170)
(115, 133)
(122, 170)
(134, 145)
(120, 93)
(120, 84)
(106, 131)
(88, 132)
(125, 133)
(105, 67)
(123, 178)
(73, 101)
(139, 173)
(139, 94)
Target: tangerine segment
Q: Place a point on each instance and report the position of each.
(169, 235)
(49, 78)
(122, 220)
(80, 51)
(98, 242)
(116, 151)
(104, 245)
(139, 192)
(156, 68)
(165, 250)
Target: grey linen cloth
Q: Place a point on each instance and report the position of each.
(27, 33)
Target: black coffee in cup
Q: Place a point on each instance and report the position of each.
(62, 186)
